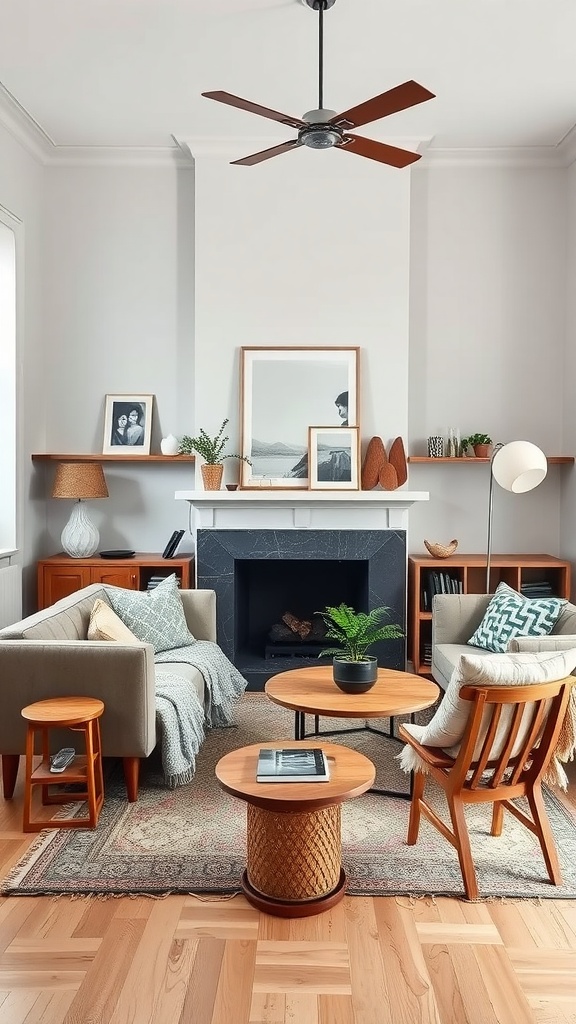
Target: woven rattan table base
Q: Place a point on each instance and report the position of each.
(294, 856)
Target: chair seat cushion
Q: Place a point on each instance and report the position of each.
(509, 614)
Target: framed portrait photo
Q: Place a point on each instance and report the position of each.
(283, 392)
(334, 458)
(127, 425)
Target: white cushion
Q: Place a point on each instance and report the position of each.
(447, 726)
(106, 625)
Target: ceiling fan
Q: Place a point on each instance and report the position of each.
(323, 128)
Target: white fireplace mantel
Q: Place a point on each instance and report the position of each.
(300, 510)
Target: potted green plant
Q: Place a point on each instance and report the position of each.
(480, 443)
(212, 451)
(353, 670)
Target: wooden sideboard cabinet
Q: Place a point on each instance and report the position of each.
(60, 575)
(466, 574)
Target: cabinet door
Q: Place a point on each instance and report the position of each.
(125, 576)
(58, 581)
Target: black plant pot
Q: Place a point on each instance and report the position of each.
(355, 676)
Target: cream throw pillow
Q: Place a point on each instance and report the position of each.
(446, 728)
(106, 625)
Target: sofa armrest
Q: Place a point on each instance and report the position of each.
(456, 616)
(200, 612)
(123, 676)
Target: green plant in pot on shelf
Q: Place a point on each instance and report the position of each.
(479, 442)
(212, 451)
(353, 670)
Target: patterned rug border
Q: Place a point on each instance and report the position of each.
(152, 870)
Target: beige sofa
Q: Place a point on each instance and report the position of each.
(455, 618)
(48, 655)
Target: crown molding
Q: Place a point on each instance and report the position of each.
(22, 126)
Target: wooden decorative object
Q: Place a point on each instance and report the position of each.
(387, 477)
(397, 458)
(373, 460)
(441, 550)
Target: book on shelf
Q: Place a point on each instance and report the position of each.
(292, 764)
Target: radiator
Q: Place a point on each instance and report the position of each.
(10, 595)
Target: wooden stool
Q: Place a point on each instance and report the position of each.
(81, 714)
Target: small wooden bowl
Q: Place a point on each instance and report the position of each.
(441, 550)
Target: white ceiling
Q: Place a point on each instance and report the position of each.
(130, 72)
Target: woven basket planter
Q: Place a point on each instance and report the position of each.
(212, 476)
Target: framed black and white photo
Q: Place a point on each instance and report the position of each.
(127, 425)
(334, 459)
(283, 392)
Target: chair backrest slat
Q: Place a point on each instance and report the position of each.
(502, 764)
(523, 756)
(495, 712)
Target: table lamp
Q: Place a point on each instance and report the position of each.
(518, 466)
(79, 480)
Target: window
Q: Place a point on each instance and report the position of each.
(7, 387)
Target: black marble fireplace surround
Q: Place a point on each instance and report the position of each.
(260, 574)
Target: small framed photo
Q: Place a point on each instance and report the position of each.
(127, 425)
(334, 458)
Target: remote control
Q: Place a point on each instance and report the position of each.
(61, 760)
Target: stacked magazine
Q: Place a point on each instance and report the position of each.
(292, 764)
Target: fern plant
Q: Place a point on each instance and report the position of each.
(355, 632)
(210, 448)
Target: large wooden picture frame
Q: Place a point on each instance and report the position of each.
(127, 425)
(334, 458)
(284, 391)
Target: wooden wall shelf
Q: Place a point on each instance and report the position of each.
(45, 457)
(553, 460)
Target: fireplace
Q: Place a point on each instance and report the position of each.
(261, 574)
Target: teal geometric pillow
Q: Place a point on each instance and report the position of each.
(509, 614)
(156, 617)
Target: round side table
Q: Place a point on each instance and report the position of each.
(294, 864)
(80, 714)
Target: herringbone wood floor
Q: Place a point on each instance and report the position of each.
(182, 960)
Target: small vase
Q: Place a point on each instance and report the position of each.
(355, 676)
(212, 476)
(169, 445)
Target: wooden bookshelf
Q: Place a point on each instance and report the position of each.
(470, 573)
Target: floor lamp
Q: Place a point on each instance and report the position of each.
(518, 466)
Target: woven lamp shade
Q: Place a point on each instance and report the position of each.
(79, 480)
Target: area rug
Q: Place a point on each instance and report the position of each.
(193, 839)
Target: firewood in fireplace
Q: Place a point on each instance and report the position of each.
(300, 626)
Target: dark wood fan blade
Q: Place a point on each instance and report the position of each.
(254, 108)
(406, 95)
(266, 154)
(378, 151)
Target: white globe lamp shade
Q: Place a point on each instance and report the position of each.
(519, 466)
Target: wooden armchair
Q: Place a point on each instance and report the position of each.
(510, 738)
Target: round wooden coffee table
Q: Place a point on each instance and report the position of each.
(294, 866)
(312, 691)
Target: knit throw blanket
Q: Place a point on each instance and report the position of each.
(181, 717)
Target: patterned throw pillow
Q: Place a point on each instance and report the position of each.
(509, 614)
(156, 617)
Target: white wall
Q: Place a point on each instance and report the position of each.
(119, 274)
(311, 248)
(486, 344)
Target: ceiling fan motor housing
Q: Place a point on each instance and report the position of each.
(318, 134)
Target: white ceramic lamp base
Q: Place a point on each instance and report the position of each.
(80, 538)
